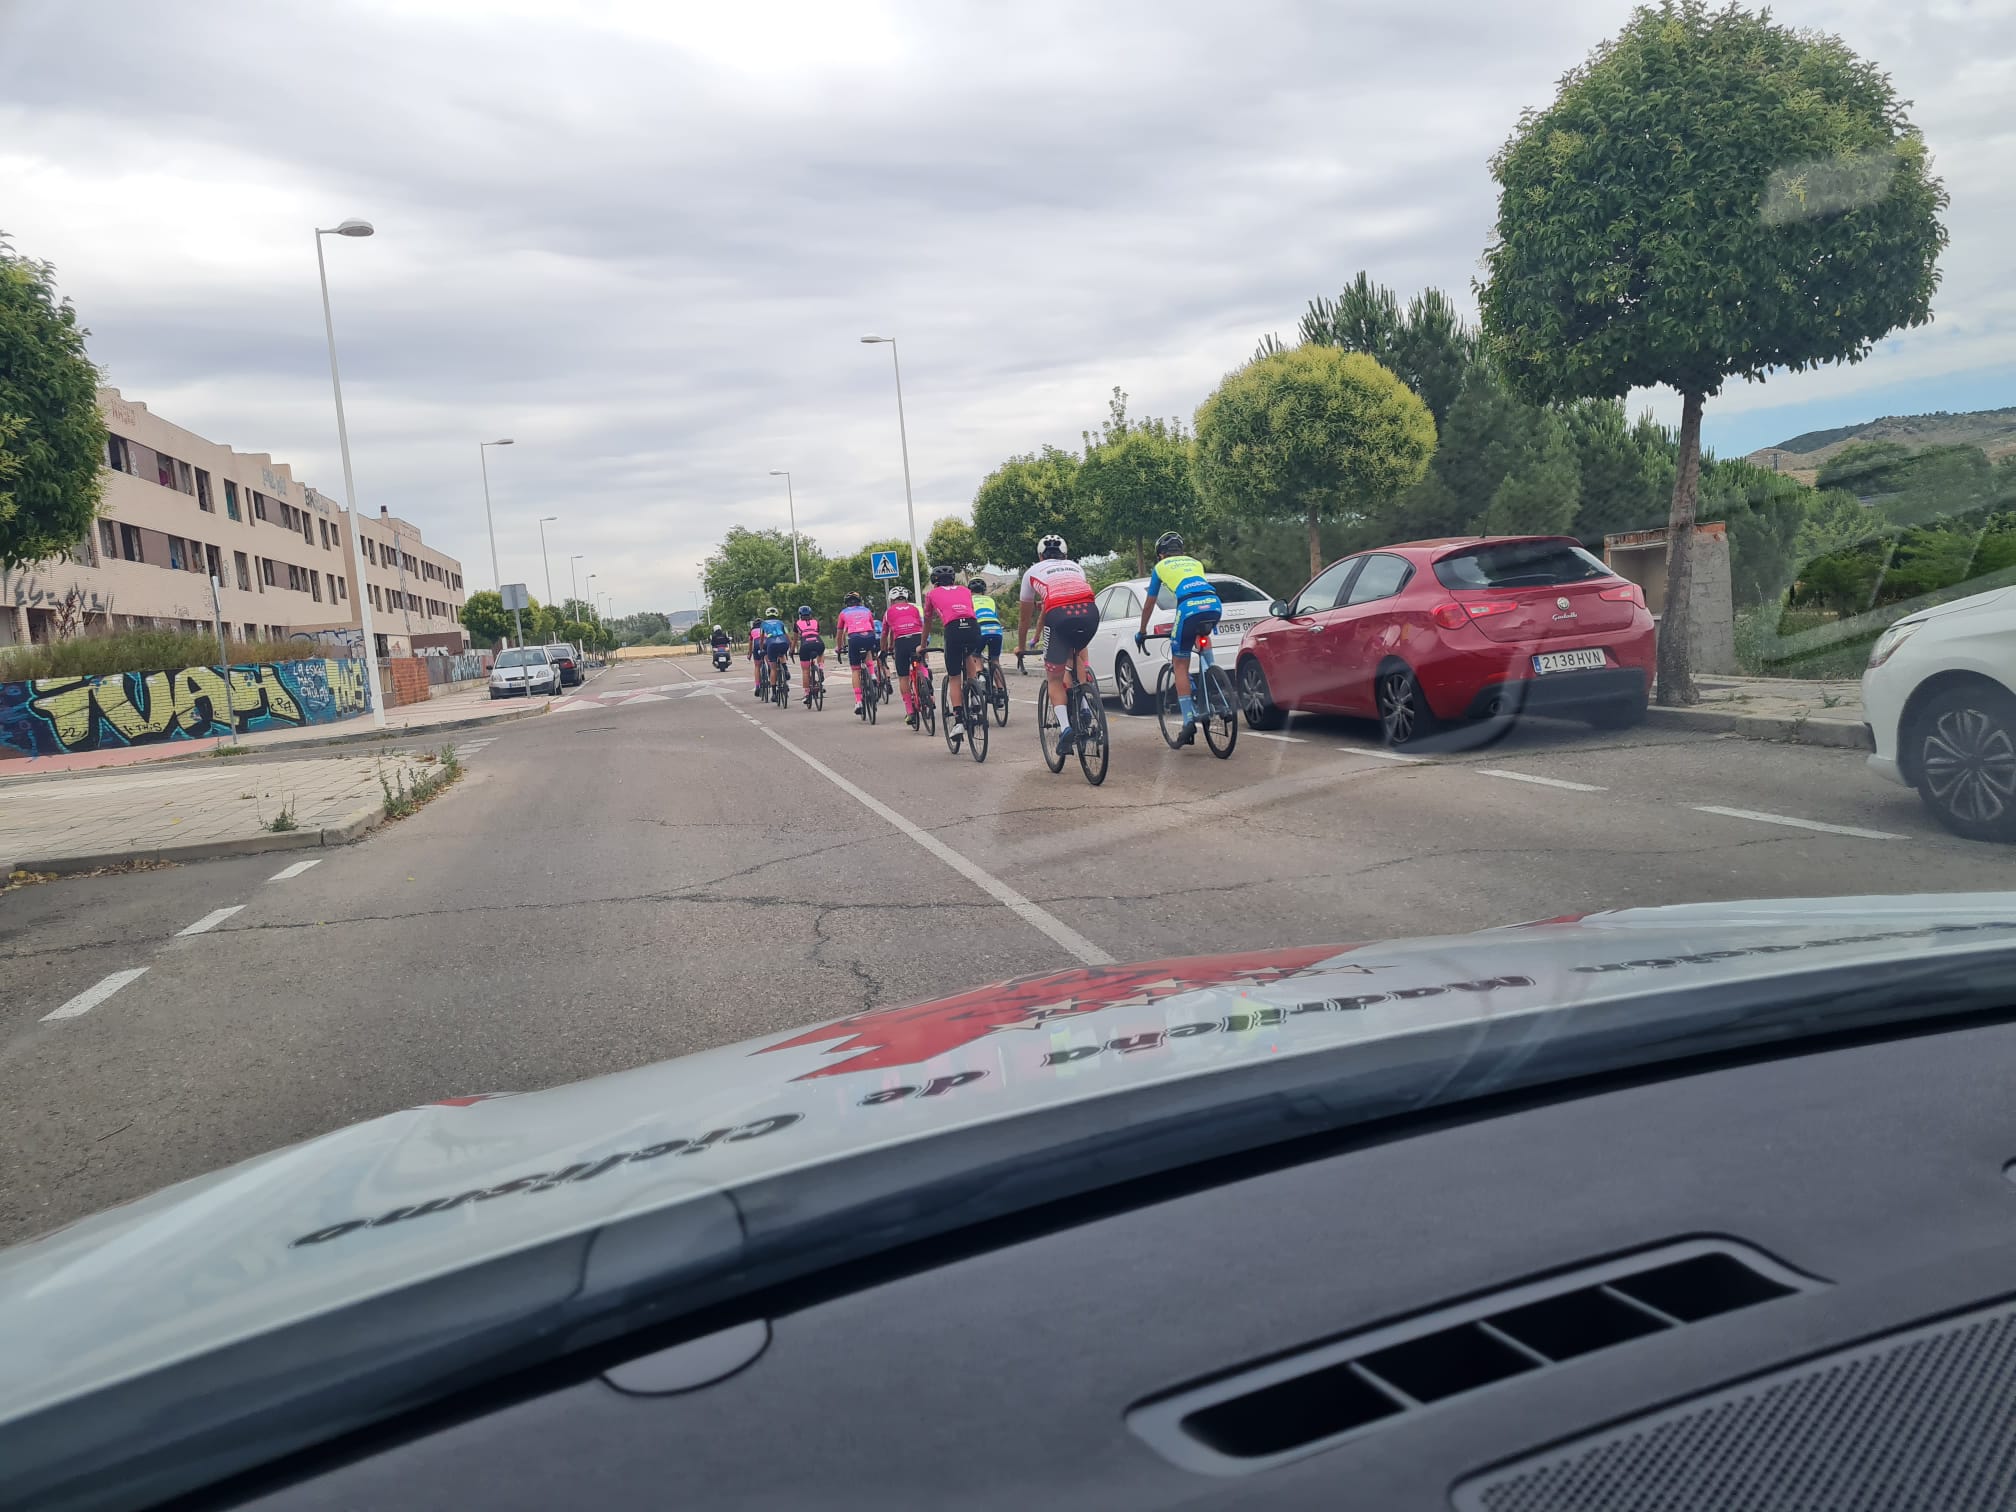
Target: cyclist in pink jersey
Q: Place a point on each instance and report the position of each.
(810, 648)
(1056, 595)
(903, 632)
(856, 637)
(953, 607)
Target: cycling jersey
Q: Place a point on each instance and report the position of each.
(855, 619)
(774, 637)
(808, 629)
(949, 604)
(1056, 581)
(1183, 578)
(903, 619)
(988, 613)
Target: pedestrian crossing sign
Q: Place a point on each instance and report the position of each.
(882, 563)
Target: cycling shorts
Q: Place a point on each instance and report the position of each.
(860, 648)
(1190, 625)
(1071, 628)
(907, 650)
(962, 639)
(776, 648)
(811, 648)
(990, 641)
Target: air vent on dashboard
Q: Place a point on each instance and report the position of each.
(1310, 1399)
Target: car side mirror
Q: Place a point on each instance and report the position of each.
(1279, 608)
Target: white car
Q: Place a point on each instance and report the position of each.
(1940, 699)
(1130, 674)
(524, 670)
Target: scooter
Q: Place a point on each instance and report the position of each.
(720, 658)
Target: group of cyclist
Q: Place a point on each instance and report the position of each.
(1057, 599)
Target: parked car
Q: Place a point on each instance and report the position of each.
(572, 669)
(523, 670)
(1131, 674)
(1940, 698)
(1425, 633)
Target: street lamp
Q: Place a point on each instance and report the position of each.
(376, 698)
(483, 458)
(574, 587)
(791, 504)
(543, 521)
(903, 431)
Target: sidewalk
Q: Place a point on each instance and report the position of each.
(195, 812)
(416, 721)
(1822, 713)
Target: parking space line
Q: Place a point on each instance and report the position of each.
(1284, 739)
(1554, 782)
(287, 872)
(95, 994)
(211, 920)
(1790, 822)
(1385, 755)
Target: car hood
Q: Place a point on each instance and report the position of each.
(304, 1231)
(1969, 605)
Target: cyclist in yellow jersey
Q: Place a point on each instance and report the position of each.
(1180, 580)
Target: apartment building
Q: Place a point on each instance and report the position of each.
(179, 509)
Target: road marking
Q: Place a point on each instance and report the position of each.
(1805, 824)
(1284, 739)
(1383, 755)
(1573, 787)
(293, 871)
(211, 920)
(994, 887)
(92, 996)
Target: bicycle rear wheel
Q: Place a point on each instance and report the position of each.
(1168, 712)
(946, 718)
(997, 692)
(1046, 732)
(1093, 751)
(976, 720)
(927, 704)
(1221, 724)
(871, 695)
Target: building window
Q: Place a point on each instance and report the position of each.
(307, 528)
(315, 584)
(203, 492)
(231, 498)
(244, 570)
(183, 478)
(175, 553)
(342, 588)
(116, 455)
(213, 563)
(266, 579)
(129, 544)
(371, 550)
(108, 539)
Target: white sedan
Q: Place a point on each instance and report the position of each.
(1130, 674)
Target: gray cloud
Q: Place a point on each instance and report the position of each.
(644, 242)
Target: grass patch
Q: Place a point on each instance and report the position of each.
(403, 797)
(232, 750)
(283, 821)
(1761, 652)
(139, 651)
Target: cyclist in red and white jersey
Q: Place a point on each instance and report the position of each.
(1056, 590)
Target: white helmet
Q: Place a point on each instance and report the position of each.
(1052, 546)
(899, 595)
(717, 627)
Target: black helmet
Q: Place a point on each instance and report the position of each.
(805, 611)
(854, 598)
(1051, 546)
(942, 577)
(978, 585)
(1168, 543)
(754, 623)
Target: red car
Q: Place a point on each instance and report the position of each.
(1429, 632)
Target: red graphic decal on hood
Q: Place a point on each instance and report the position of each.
(885, 1037)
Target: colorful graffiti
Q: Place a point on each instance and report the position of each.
(53, 716)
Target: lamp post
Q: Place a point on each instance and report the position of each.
(543, 521)
(375, 698)
(791, 504)
(574, 587)
(482, 449)
(903, 431)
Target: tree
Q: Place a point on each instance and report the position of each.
(1027, 498)
(1314, 432)
(1626, 482)
(1135, 480)
(749, 563)
(52, 439)
(485, 617)
(953, 542)
(1710, 196)
(1542, 489)
(1427, 345)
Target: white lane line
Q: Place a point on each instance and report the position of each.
(211, 920)
(1555, 782)
(295, 870)
(1284, 739)
(1383, 755)
(994, 887)
(1789, 821)
(92, 996)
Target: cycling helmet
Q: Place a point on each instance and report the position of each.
(899, 595)
(754, 623)
(1051, 546)
(1168, 544)
(978, 585)
(854, 598)
(771, 612)
(942, 577)
(804, 611)
(717, 627)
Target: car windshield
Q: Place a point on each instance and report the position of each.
(1519, 564)
(521, 657)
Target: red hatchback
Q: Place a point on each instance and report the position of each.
(1429, 632)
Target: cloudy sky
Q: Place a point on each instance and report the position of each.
(643, 239)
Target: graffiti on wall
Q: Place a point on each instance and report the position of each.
(53, 716)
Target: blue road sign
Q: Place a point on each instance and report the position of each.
(882, 563)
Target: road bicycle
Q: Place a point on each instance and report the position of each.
(872, 687)
(920, 686)
(815, 683)
(994, 684)
(1217, 711)
(973, 708)
(780, 683)
(1086, 709)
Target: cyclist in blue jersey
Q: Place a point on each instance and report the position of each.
(1179, 579)
(776, 646)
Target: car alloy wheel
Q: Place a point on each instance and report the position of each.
(1127, 683)
(1967, 764)
(1404, 715)
(1255, 701)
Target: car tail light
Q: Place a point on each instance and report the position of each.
(1454, 616)
(1449, 616)
(1627, 593)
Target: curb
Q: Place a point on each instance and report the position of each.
(1840, 734)
(360, 822)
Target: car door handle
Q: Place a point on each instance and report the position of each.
(1317, 629)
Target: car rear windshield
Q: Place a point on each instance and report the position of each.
(1519, 564)
(561, 653)
(524, 656)
(1232, 591)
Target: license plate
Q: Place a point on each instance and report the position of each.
(1567, 661)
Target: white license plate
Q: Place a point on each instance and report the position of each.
(1567, 661)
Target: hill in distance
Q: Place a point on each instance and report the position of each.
(1994, 431)
(680, 619)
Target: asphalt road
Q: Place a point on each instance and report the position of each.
(622, 881)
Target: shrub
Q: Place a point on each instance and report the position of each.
(139, 651)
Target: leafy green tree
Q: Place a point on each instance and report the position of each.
(1710, 196)
(1625, 484)
(1312, 432)
(1764, 511)
(1027, 498)
(748, 564)
(953, 540)
(1867, 468)
(52, 440)
(1426, 344)
(1135, 480)
(485, 617)
(1542, 489)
